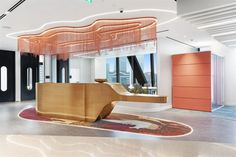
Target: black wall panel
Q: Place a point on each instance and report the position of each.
(29, 61)
(7, 58)
(60, 65)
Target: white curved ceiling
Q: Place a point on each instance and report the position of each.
(37, 15)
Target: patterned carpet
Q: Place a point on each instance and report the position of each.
(121, 122)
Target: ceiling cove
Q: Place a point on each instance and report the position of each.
(52, 24)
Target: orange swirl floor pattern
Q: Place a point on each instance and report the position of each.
(121, 122)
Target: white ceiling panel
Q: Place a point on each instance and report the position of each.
(217, 18)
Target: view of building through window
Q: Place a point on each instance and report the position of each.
(111, 70)
(124, 74)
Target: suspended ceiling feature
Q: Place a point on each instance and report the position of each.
(100, 35)
(219, 22)
(35, 16)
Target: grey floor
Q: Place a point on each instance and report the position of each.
(219, 126)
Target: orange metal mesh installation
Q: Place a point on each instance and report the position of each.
(102, 34)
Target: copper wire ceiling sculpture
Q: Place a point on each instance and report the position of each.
(102, 34)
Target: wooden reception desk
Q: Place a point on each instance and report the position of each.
(84, 101)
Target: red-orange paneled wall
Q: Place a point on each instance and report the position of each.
(191, 81)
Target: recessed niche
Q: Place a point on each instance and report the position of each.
(29, 79)
(3, 78)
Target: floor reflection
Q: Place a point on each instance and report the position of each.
(67, 146)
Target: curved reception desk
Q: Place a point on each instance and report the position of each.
(84, 101)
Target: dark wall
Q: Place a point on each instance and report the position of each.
(7, 58)
(60, 65)
(29, 61)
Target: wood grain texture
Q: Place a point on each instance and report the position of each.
(85, 102)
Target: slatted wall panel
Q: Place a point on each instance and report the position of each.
(191, 81)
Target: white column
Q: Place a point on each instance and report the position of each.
(54, 68)
(48, 67)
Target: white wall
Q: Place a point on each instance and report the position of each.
(80, 70)
(48, 69)
(230, 78)
(218, 48)
(74, 69)
(100, 68)
(167, 48)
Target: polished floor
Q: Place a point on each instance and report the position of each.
(61, 146)
(214, 134)
(209, 127)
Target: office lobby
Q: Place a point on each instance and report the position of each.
(117, 78)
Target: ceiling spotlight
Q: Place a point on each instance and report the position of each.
(121, 10)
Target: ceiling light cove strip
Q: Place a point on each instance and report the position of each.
(232, 45)
(227, 41)
(14, 35)
(222, 34)
(217, 24)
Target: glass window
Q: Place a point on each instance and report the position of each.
(29, 79)
(126, 73)
(111, 70)
(145, 63)
(3, 78)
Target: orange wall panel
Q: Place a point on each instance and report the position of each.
(192, 69)
(192, 58)
(192, 104)
(191, 81)
(195, 93)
